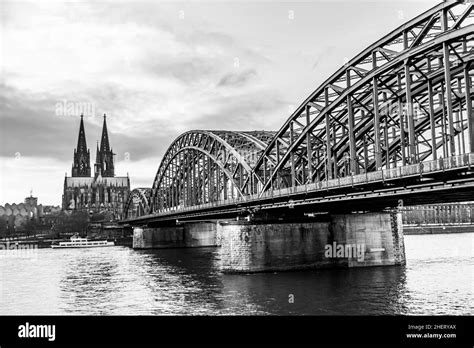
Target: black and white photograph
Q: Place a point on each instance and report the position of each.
(176, 164)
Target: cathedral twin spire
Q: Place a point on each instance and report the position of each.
(104, 165)
(81, 165)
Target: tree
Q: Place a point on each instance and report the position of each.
(75, 221)
(3, 228)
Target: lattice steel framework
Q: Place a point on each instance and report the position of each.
(404, 99)
(207, 166)
(138, 203)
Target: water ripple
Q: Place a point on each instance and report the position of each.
(437, 279)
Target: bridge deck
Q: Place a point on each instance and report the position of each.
(411, 181)
(405, 98)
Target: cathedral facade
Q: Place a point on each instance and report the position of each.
(101, 193)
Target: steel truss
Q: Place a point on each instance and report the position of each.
(405, 99)
(207, 166)
(138, 203)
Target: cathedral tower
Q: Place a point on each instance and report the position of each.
(105, 157)
(102, 193)
(81, 166)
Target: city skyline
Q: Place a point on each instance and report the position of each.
(194, 64)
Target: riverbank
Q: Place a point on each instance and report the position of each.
(437, 229)
(26, 243)
(41, 243)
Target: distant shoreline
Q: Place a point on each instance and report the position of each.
(437, 229)
(46, 243)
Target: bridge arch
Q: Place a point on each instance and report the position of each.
(404, 99)
(207, 166)
(138, 203)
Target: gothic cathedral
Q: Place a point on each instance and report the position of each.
(104, 192)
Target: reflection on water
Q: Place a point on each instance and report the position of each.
(438, 279)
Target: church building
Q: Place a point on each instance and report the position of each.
(103, 192)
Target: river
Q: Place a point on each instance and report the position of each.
(437, 279)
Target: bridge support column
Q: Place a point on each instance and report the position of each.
(187, 235)
(347, 240)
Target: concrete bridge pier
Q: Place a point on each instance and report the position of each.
(345, 240)
(341, 240)
(188, 235)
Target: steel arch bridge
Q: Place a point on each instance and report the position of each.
(207, 166)
(403, 101)
(138, 203)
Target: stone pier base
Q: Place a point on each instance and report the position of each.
(345, 240)
(348, 240)
(184, 236)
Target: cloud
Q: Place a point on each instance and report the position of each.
(260, 109)
(158, 74)
(19, 175)
(320, 55)
(237, 79)
(31, 127)
(188, 70)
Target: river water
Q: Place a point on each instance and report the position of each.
(437, 279)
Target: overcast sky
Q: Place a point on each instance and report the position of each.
(159, 69)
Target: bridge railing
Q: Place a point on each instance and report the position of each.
(418, 169)
(425, 167)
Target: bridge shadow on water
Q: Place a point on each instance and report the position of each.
(323, 292)
(436, 280)
(376, 290)
(188, 281)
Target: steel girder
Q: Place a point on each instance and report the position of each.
(207, 166)
(405, 98)
(138, 203)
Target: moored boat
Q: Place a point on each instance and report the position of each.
(77, 242)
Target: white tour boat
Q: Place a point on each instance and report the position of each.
(77, 242)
